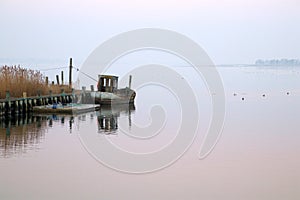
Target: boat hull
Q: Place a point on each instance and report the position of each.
(121, 96)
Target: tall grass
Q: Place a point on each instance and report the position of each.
(17, 80)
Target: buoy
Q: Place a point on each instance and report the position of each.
(243, 99)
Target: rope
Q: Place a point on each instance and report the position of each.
(85, 74)
(55, 68)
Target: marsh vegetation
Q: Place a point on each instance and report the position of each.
(17, 80)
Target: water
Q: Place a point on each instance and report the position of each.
(257, 156)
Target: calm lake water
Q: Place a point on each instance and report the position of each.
(256, 157)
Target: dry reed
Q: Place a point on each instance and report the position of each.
(17, 80)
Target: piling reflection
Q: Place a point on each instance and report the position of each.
(107, 117)
(21, 133)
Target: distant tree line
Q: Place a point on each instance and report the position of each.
(288, 62)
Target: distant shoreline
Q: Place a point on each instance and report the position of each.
(278, 62)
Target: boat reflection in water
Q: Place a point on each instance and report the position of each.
(108, 116)
(22, 133)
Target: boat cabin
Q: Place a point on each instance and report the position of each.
(107, 83)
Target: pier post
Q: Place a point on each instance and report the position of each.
(2, 109)
(16, 110)
(50, 101)
(7, 103)
(25, 103)
(45, 101)
(62, 77)
(63, 100)
(73, 99)
(38, 101)
(21, 109)
(13, 108)
(28, 104)
(70, 73)
(130, 79)
(57, 79)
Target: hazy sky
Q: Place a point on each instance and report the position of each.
(231, 31)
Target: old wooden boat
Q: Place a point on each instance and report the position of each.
(108, 92)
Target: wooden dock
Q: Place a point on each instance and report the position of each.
(17, 106)
(66, 109)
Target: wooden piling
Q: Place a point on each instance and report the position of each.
(70, 73)
(57, 80)
(62, 77)
(25, 106)
(7, 103)
(130, 79)
(1, 109)
(38, 100)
